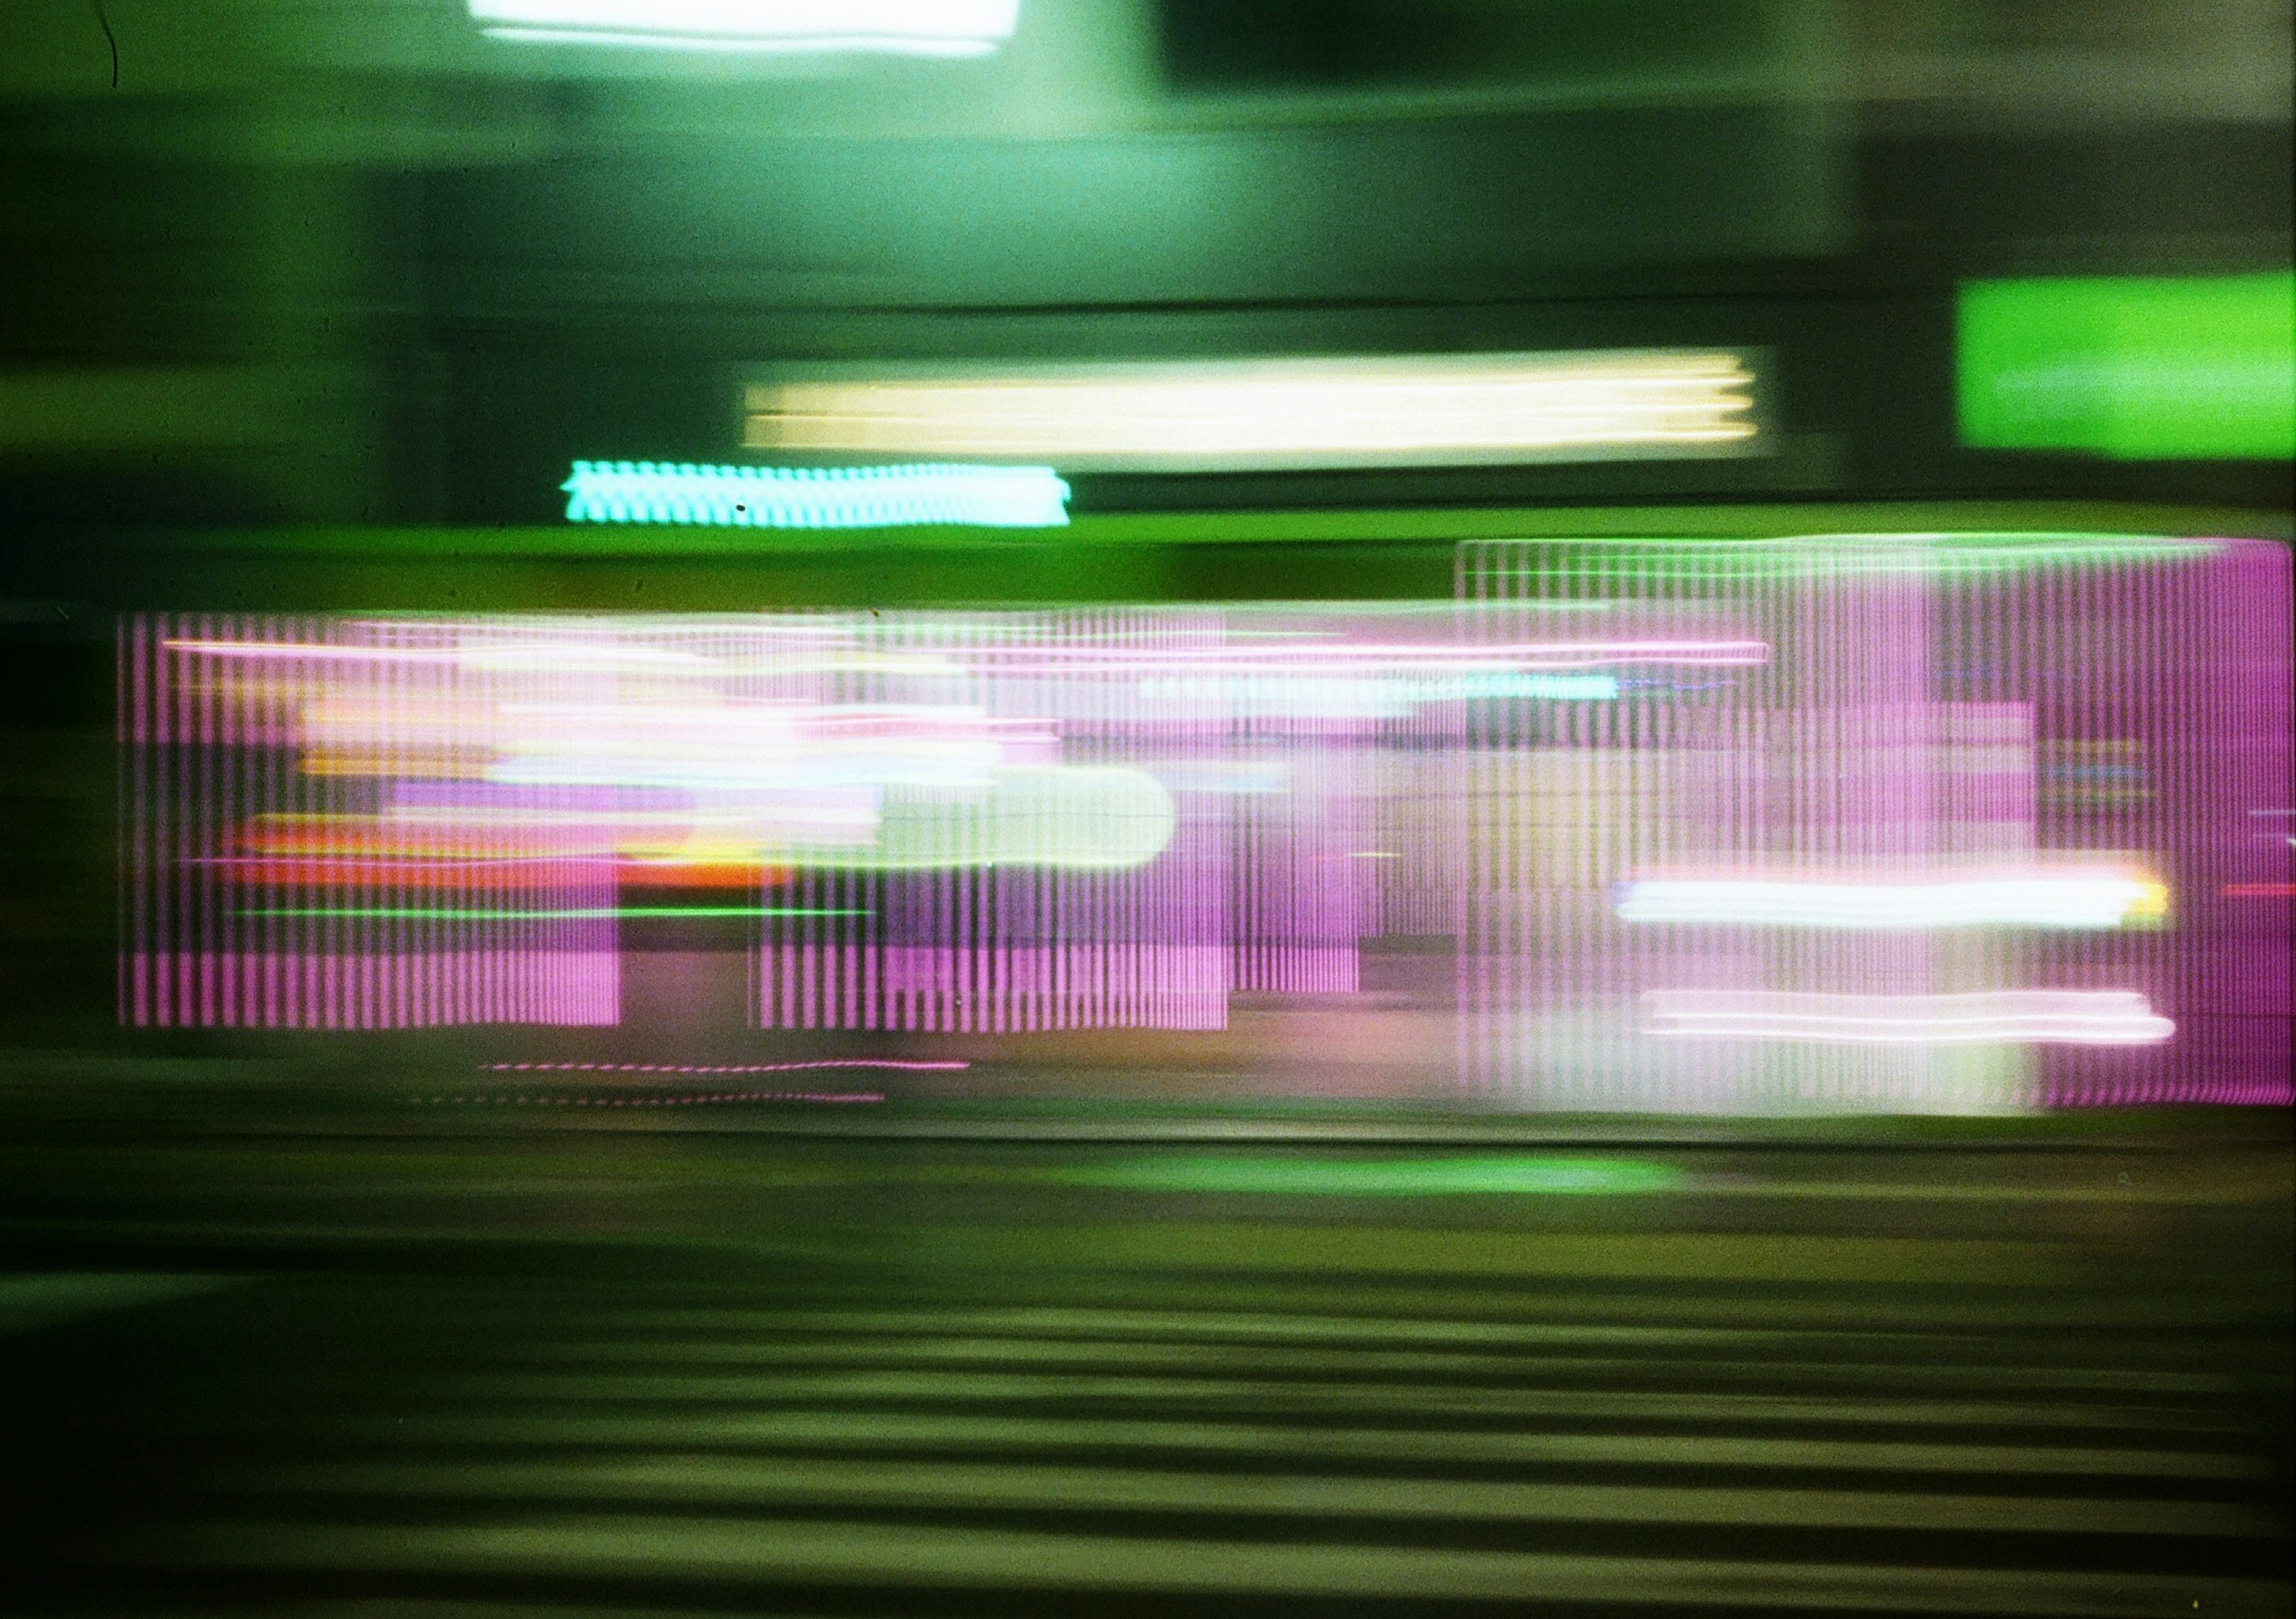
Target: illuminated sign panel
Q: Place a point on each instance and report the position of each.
(2133, 367)
(1396, 411)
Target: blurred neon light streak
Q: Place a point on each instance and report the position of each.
(478, 876)
(827, 44)
(1476, 1175)
(1428, 410)
(827, 497)
(2035, 899)
(1386, 655)
(658, 1100)
(309, 652)
(554, 657)
(1489, 660)
(1852, 554)
(1510, 683)
(2073, 1018)
(586, 913)
(1501, 664)
(913, 27)
(904, 1065)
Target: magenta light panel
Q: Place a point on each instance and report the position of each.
(1852, 823)
(290, 860)
(2002, 821)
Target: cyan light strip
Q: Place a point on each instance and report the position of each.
(814, 498)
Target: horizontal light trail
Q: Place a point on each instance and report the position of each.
(1323, 1175)
(2033, 899)
(1220, 1372)
(1271, 1250)
(909, 1482)
(581, 913)
(498, 1418)
(1267, 1381)
(1464, 660)
(309, 652)
(826, 44)
(838, 497)
(909, 1433)
(652, 1100)
(913, 27)
(1509, 683)
(493, 877)
(905, 1064)
(715, 1361)
(1426, 410)
(773, 814)
(540, 654)
(1937, 1325)
(2078, 1017)
(624, 1546)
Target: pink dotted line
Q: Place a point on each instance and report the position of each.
(685, 1101)
(902, 1063)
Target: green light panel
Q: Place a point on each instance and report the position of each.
(2135, 367)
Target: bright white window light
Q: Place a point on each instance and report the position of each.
(896, 28)
(2031, 899)
(2062, 1017)
(811, 498)
(1427, 410)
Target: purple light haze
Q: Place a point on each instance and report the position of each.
(1336, 804)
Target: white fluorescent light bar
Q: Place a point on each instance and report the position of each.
(1411, 411)
(904, 27)
(2058, 1017)
(2028, 898)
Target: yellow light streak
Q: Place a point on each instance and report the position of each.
(1425, 410)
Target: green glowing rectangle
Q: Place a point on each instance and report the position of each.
(2134, 367)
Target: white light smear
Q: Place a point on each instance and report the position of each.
(1420, 410)
(2062, 1017)
(2032, 899)
(906, 28)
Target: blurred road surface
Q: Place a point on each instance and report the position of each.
(480, 1371)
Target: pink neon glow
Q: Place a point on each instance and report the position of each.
(364, 824)
(831, 1098)
(305, 651)
(1939, 727)
(902, 1063)
(1377, 656)
(492, 979)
